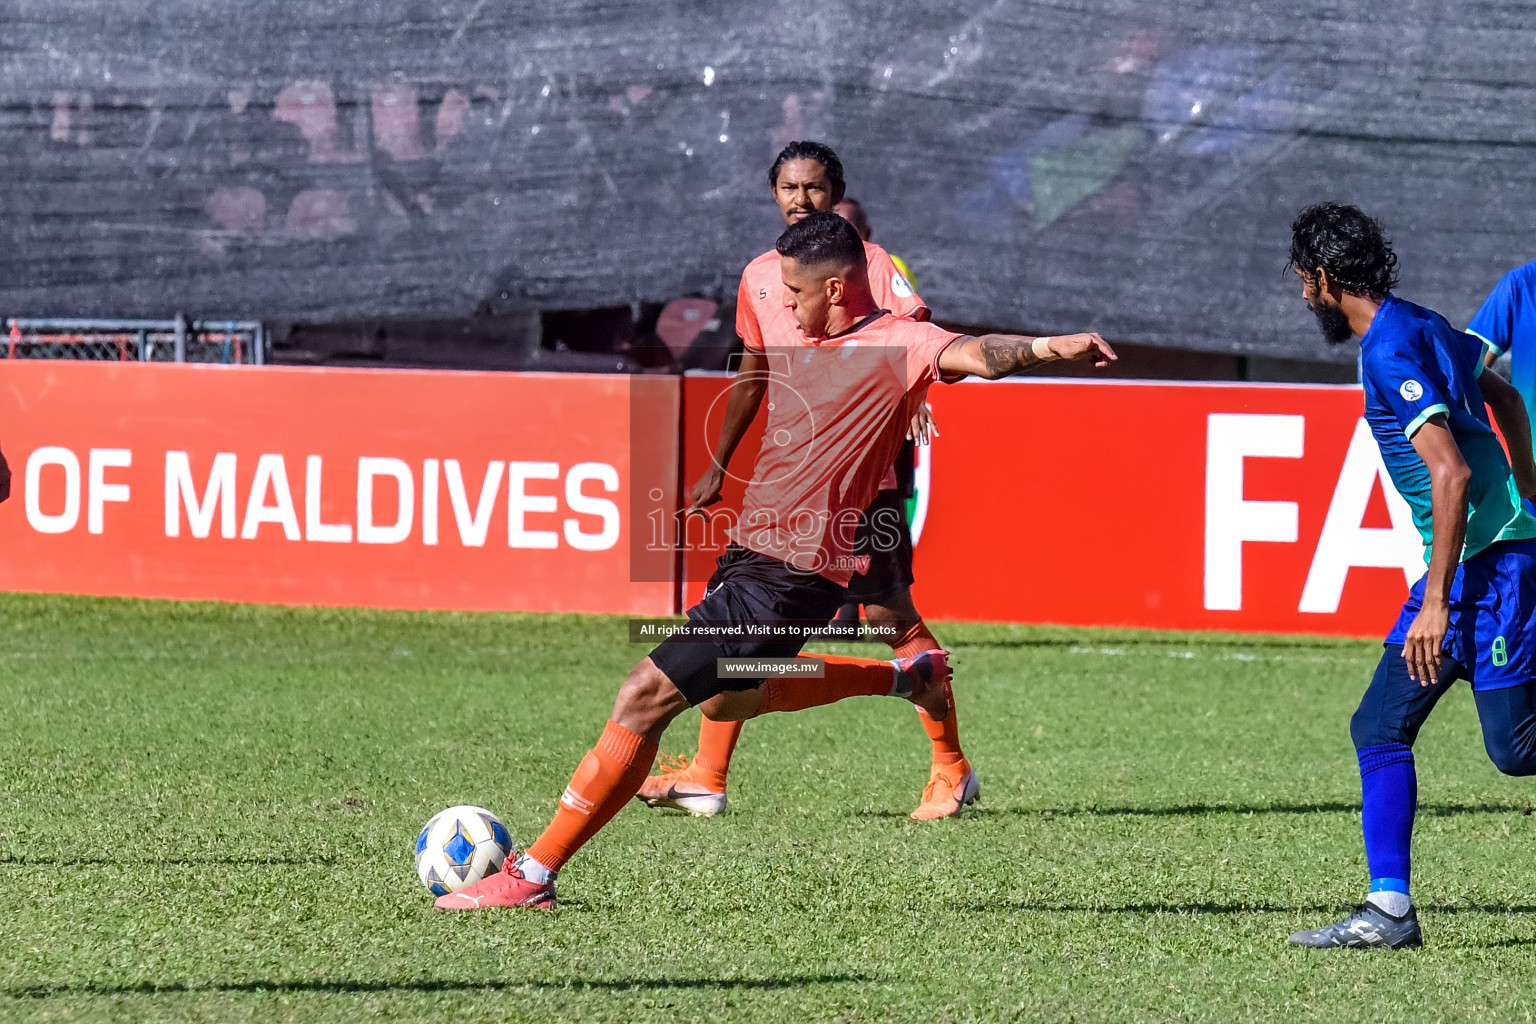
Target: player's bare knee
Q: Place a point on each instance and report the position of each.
(716, 710)
(733, 705)
(896, 612)
(647, 701)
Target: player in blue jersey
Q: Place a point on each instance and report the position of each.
(1506, 322)
(1473, 614)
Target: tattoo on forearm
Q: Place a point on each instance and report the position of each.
(1006, 354)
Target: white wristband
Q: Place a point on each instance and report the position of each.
(1041, 347)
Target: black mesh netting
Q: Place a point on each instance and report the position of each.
(1125, 165)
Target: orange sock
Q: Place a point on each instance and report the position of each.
(717, 741)
(845, 677)
(944, 734)
(605, 780)
(915, 641)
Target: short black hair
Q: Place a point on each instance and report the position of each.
(1348, 244)
(806, 150)
(823, 237)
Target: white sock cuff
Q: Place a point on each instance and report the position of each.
(1395, 903)
(534, 871)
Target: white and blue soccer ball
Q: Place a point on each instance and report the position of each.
(459, 847)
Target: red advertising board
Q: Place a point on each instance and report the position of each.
(704, 400)
(1165, 506)
(1184, 506)
(1178, 506)
(394, 489)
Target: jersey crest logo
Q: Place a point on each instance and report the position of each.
(900, 286)
(1412, 390)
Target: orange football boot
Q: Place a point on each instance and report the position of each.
(679, 785)
(950, 788)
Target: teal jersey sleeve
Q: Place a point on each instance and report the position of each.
(1508, 314)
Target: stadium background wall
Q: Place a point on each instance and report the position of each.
(1178, 506)
(318, 160)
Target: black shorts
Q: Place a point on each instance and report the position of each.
(884, 536)
(746, 588)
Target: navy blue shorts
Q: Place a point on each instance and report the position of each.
(1493, 616)
(749, 589)
(1395, 707)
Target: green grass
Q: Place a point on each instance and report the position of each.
(206, 814)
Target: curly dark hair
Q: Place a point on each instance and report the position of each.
(1348, 244)
(822, 237)
(806, 150)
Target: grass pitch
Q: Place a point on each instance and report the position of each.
(206, 814)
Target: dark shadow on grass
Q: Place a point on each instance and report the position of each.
(214, 860)
(1091, 645)
(1048, 906)
(436, 985)
(1503, 944)
(1199, 810)
(1224, 909)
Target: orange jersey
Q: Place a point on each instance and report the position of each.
(838, 410)
(763, 321)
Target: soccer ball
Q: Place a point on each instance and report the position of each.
(459, 847)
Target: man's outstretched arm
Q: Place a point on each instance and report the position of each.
(995, 356)
(741, 407)
(1449, 480)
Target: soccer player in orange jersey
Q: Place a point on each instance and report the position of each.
(807, 177)
(841, 399)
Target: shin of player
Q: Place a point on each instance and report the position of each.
(859, 374)
(1473, 614)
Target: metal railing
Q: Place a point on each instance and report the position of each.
(137, 341)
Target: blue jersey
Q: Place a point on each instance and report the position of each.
(1414, 364)
(1506, 321)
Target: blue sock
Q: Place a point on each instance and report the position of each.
(1390, 789)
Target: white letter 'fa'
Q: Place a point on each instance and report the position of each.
(1229, 520)
(1345, 544)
